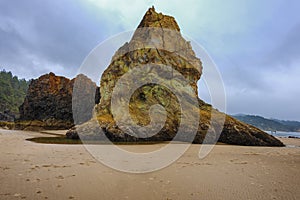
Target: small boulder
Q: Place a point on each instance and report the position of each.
(72, 134)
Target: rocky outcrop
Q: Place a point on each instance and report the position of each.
(48, 97)
(72, 134)
(48, 103)
(158, 43)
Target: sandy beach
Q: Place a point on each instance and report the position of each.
(30, 170)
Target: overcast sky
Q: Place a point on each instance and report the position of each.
(255, 44)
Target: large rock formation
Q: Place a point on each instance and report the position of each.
(157, 43)
(48, 103)
(49, 96)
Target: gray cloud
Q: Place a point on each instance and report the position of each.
(40, 36)
(268, 83)
(287, 50)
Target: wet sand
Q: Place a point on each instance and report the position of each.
(47, 171)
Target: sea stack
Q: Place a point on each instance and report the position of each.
(158, 42)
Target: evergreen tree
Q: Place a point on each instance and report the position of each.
(12, 92)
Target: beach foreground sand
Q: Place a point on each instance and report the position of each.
(46, 171)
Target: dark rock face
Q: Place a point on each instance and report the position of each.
(72, 134)
(239, 133)
(49, 96)
(49, 100)
(7, 116)
(158, 42)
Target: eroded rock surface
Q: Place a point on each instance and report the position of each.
(157, 43)
(48, 103)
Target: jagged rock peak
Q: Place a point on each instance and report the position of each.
(158, 20)
(161, 33)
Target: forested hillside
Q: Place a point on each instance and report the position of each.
(12, 92)
(269, 124)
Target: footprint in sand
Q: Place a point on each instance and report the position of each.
(205, 163)
(236, 161)
(252, 154)
(186, 164)
(60, 177)
(4, 168)
(86, 164)
(35, 167)
(5, 194)
(243, 163)
(46, 166)
(55, 166)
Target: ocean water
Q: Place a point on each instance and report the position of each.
(284, 134)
